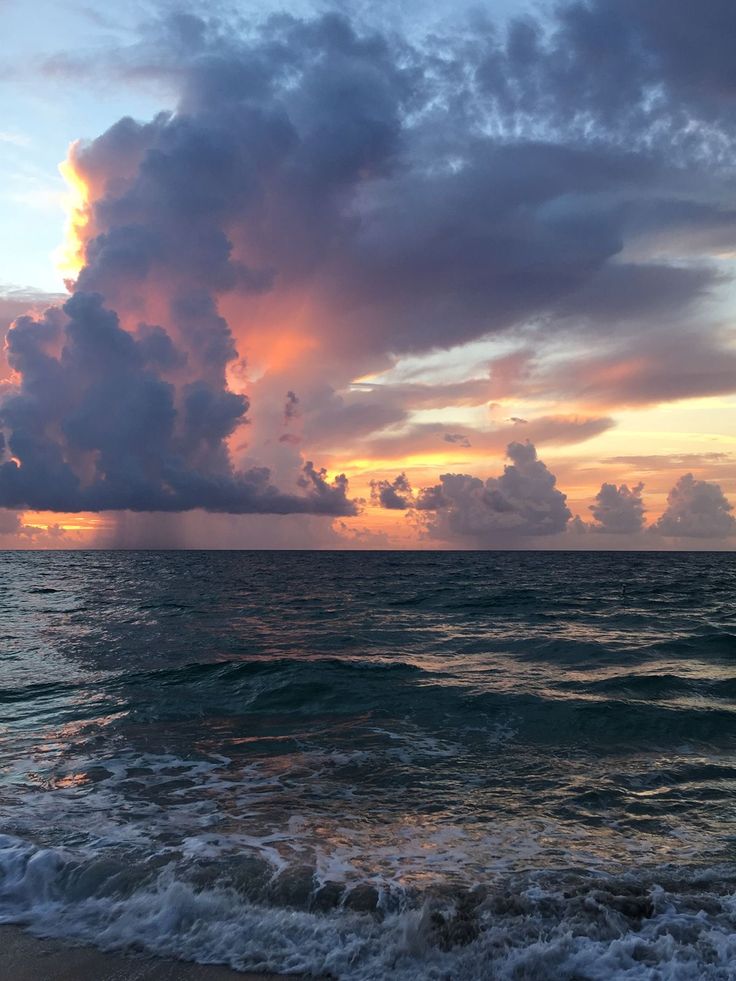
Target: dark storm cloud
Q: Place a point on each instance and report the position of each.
(15, 301)
(353, 164)
(522, 502)
(166, 220)
(618, 510)
(668, 43)
(96, 425)
(639, 70)
(696, 509)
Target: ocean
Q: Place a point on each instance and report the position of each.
(368, 765)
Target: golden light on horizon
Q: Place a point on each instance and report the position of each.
(409, 461)
(85, 522)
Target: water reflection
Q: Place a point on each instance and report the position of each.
(447, 717)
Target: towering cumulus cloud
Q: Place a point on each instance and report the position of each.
(696, 509)
(105, 419)
(523, 501)
(618, 510)
(122, 399)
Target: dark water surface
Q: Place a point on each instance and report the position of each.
(375, 765)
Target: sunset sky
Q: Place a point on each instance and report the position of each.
(339, 277)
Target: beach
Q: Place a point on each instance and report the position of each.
(28, 958)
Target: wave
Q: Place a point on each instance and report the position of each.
(640, 685)
(608, 714)
(626, 710)
(671, 924)
(718, 644)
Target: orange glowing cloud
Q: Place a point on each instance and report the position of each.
(69, 257)
(274, 332)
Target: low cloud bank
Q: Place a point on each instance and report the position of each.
(525, 502)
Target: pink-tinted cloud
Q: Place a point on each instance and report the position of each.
(423, 438)
(649, 370)
(696, 509)
(522, 502)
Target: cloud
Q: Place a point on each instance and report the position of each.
(667, 43)
(104, 420)
(522, 502)
(290, 407)
(577, 526)
(459, 438)
(395, 495)
(632, 70)
(618, 510)
(417, 207)
(664, 366)
(696, 509)
(627, 291)
(332, 419)
(10, 523)
(408, 395)
(16, 533)
(669, 461)
(15, 301)
(15, 139)
(328, 197)
(354, 417)
(429, 437)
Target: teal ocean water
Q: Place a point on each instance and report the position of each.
(375, 765)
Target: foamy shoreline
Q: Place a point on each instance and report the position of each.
(27, 958)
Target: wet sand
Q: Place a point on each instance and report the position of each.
(27, 958)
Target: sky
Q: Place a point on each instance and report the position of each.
(342, 276)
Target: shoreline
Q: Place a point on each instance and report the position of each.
(25, 957)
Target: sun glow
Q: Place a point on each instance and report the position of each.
(69, 257)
